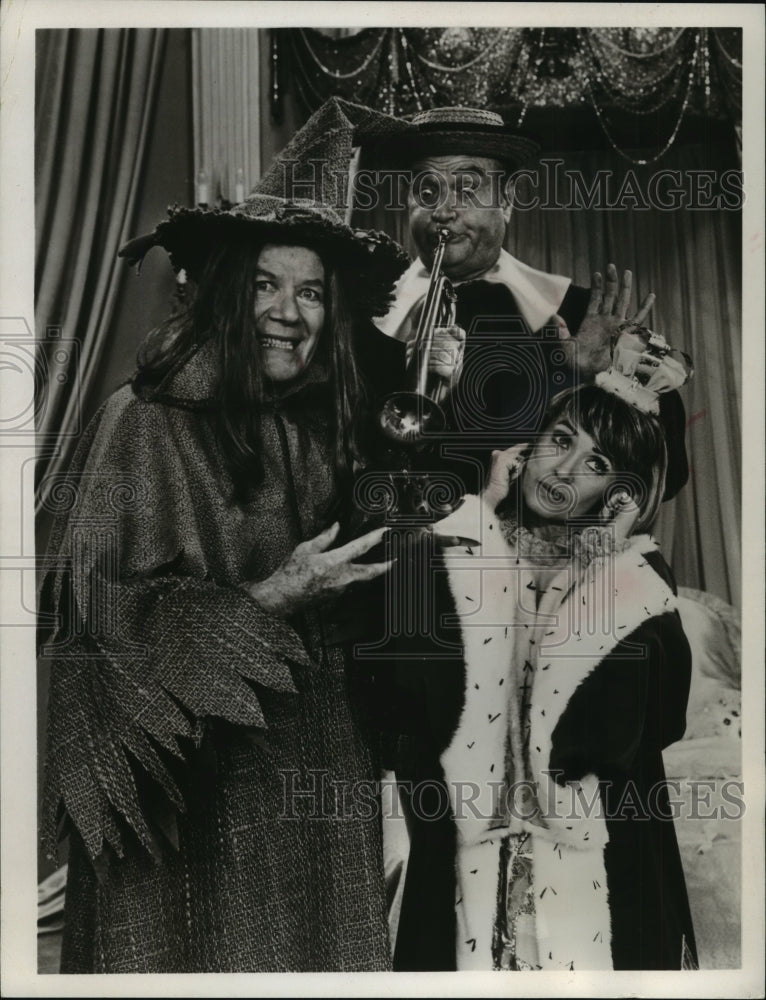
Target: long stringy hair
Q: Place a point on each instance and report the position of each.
(222, 308)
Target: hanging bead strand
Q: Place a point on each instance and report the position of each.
(674, 133)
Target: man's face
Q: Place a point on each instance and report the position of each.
(463, 194)
(289, 309)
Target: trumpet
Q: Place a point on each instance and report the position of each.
(407, 417)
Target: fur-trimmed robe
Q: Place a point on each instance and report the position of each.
(183, 717)
(604, 667)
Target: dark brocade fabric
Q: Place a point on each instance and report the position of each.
(195, 742)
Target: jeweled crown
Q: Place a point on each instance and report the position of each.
(643, 366)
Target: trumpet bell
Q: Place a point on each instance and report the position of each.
(409, 417)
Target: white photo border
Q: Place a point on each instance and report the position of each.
(18, 961)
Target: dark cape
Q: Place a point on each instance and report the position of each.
(193, 738)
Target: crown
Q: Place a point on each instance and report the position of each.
(643, 366)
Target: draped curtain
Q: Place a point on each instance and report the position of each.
(691, 259)
(633, 80)
(95, 95)
(225, 92)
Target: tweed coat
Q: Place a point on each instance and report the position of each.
(195, 741)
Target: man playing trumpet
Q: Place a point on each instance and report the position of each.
(520, 335)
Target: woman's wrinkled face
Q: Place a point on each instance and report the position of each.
(289, 309)
(566, 475)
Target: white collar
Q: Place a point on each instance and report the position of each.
(537, 294)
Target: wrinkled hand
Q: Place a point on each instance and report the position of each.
(311, 574)
(617, 520)
(589, 350)
(506, 466)
(446, 358)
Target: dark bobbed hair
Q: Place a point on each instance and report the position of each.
(633, 440)
(220, 307)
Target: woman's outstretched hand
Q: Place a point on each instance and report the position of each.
(312, 574)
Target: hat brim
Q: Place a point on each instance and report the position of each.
(371, 261)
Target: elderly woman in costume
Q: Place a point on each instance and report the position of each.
(577, 674)
(201, 716)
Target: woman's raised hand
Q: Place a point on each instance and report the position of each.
(617, 520)
(312, 574)
(505, 467)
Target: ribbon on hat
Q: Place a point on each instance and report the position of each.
(643, 366)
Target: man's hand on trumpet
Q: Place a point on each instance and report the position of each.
(446, 359)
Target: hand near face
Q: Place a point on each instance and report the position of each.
(589, 352)
(506, 466)
(311, 574)
(617, 520)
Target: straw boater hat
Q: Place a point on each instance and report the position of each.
(472, 131)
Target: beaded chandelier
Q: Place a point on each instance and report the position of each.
(616, 71)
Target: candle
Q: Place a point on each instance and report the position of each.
(239, 185)
(203, 188)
